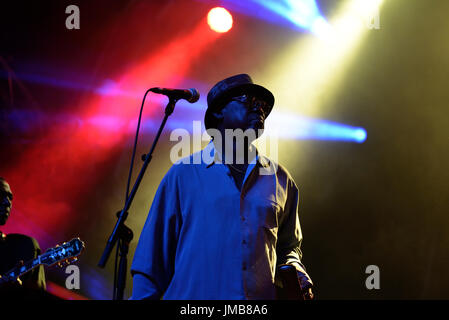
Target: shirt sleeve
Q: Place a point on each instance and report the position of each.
(39, 273)
(290, 234)
(153, 263)
(144, 288)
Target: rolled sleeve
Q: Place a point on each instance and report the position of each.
(290, 234)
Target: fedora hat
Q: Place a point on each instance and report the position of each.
(230, 87)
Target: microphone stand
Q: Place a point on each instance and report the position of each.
(121, 231)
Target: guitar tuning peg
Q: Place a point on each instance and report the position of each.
(60, 264)
(74, 259)
(71, 259)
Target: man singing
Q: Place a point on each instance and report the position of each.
(222, 227)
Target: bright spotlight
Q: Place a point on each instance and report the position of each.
(288, 125)
(317, 66)
(219, 19)
(321, 27)
(360, 135)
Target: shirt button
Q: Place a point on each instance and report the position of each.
(244, 241)
(244, 266)
(243, 218)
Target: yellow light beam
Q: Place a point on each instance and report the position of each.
(307, 73)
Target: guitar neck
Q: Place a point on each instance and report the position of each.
(64, 252)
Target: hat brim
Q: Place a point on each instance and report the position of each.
(248, 88)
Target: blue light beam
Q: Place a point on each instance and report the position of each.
(290, 126)
(301, 14)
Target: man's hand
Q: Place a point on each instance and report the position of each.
(308, 294)
(296, 283)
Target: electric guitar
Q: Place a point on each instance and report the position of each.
(64, 253)
(291, 285)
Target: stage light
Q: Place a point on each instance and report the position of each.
(321, 27)
(219, 20)
(289, 125)
(302, 13)
(360, 135)
(309, 72)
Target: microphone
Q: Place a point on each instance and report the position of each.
(191, 95)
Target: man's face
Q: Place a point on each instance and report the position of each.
(244, 112)
(5, 201)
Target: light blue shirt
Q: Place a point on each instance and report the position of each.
(206, 239)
